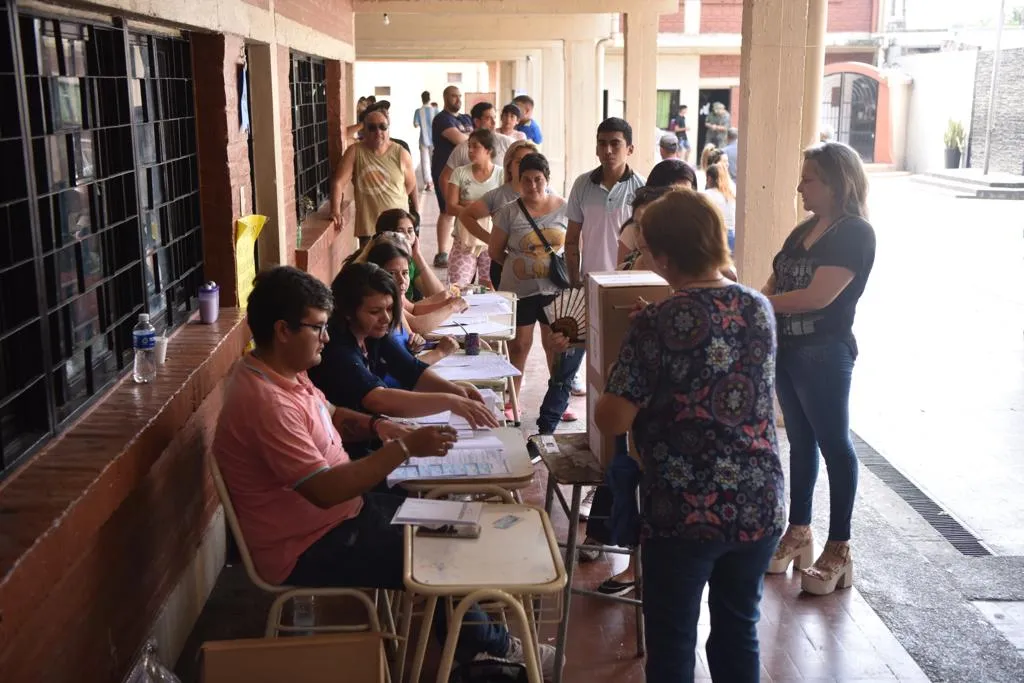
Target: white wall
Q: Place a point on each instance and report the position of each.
(682, 73)
(675, 72)
(942, 89)
(407, 80)
(614, 83)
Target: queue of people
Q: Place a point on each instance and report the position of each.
(306, 441)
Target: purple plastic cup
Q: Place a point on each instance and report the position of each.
(209, 302)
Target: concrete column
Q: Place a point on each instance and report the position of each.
(814, 70)
(641, 71)
(691, 17)
(493, 82)
(551, 110)
(583, 99)
(773, 65)
(506, 79)
(266, 91)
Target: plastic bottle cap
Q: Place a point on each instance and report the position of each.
(143, 317)
(210, 286)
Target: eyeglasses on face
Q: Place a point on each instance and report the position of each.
(374, 127)
(320, 328)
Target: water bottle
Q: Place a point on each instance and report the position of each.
(144, 343)
(304, 613)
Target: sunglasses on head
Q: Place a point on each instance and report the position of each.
(374, 127)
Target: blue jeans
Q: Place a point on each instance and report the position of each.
(559, 387)
(813, 385)
(367, 552)
(614, 516)
(675, 573)
(623, 477)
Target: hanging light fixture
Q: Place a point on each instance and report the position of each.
(387, 19)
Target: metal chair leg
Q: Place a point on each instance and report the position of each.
(570, 569)
(407, 599)
(421, 645)
(641, 626)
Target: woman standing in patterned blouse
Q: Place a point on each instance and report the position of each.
(694, 382)
(817, 280)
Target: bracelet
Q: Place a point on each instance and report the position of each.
(401, 442)
(374, 419)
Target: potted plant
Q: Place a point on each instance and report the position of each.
(954, 139)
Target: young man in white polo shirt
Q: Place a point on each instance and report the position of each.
(599, 204)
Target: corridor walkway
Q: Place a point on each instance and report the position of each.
(803, 638)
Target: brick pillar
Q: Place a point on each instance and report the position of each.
(287, 153)
(223, 154)
(337, 106)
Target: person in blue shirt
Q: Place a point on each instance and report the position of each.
(731, 149)
(448, 129)
(527, 124)
(362, 352)
(423, 118)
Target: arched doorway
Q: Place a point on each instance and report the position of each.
(855, 108)
(850, 109)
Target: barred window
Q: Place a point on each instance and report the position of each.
(307, 81)
(99, 212)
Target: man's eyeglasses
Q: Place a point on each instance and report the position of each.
(374, 127)
(320, 328)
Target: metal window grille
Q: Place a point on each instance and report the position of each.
(307, 81)
(99, 211)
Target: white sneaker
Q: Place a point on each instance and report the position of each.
(547, 657)
(587, 503)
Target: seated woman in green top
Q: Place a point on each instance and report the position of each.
(427, 314)
(424, 284)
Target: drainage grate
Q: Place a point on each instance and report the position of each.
(939, 519)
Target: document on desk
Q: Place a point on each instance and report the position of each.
(464, 319)
(441, 418)
(460, 462)
(483, 367)
(483, 328)
(437, 512)
(488, 304)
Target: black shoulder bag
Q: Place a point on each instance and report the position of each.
(558, 272)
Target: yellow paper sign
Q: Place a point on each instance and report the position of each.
(248, 230)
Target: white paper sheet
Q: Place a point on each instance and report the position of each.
(462, 367)
(480, 440)
(423, 511)
(480, 328)
(464, 319)
(442, 418)
(485, 298)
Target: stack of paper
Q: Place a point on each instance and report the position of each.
(483, 367)
(438, 512)
(483, 328)
(488, 304)
(460, 462)
(464, 319)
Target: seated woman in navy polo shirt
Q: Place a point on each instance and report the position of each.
(361, 352)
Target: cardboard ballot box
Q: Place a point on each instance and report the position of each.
(610, 299)
(335, 658)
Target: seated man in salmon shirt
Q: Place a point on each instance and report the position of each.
(307, 512)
